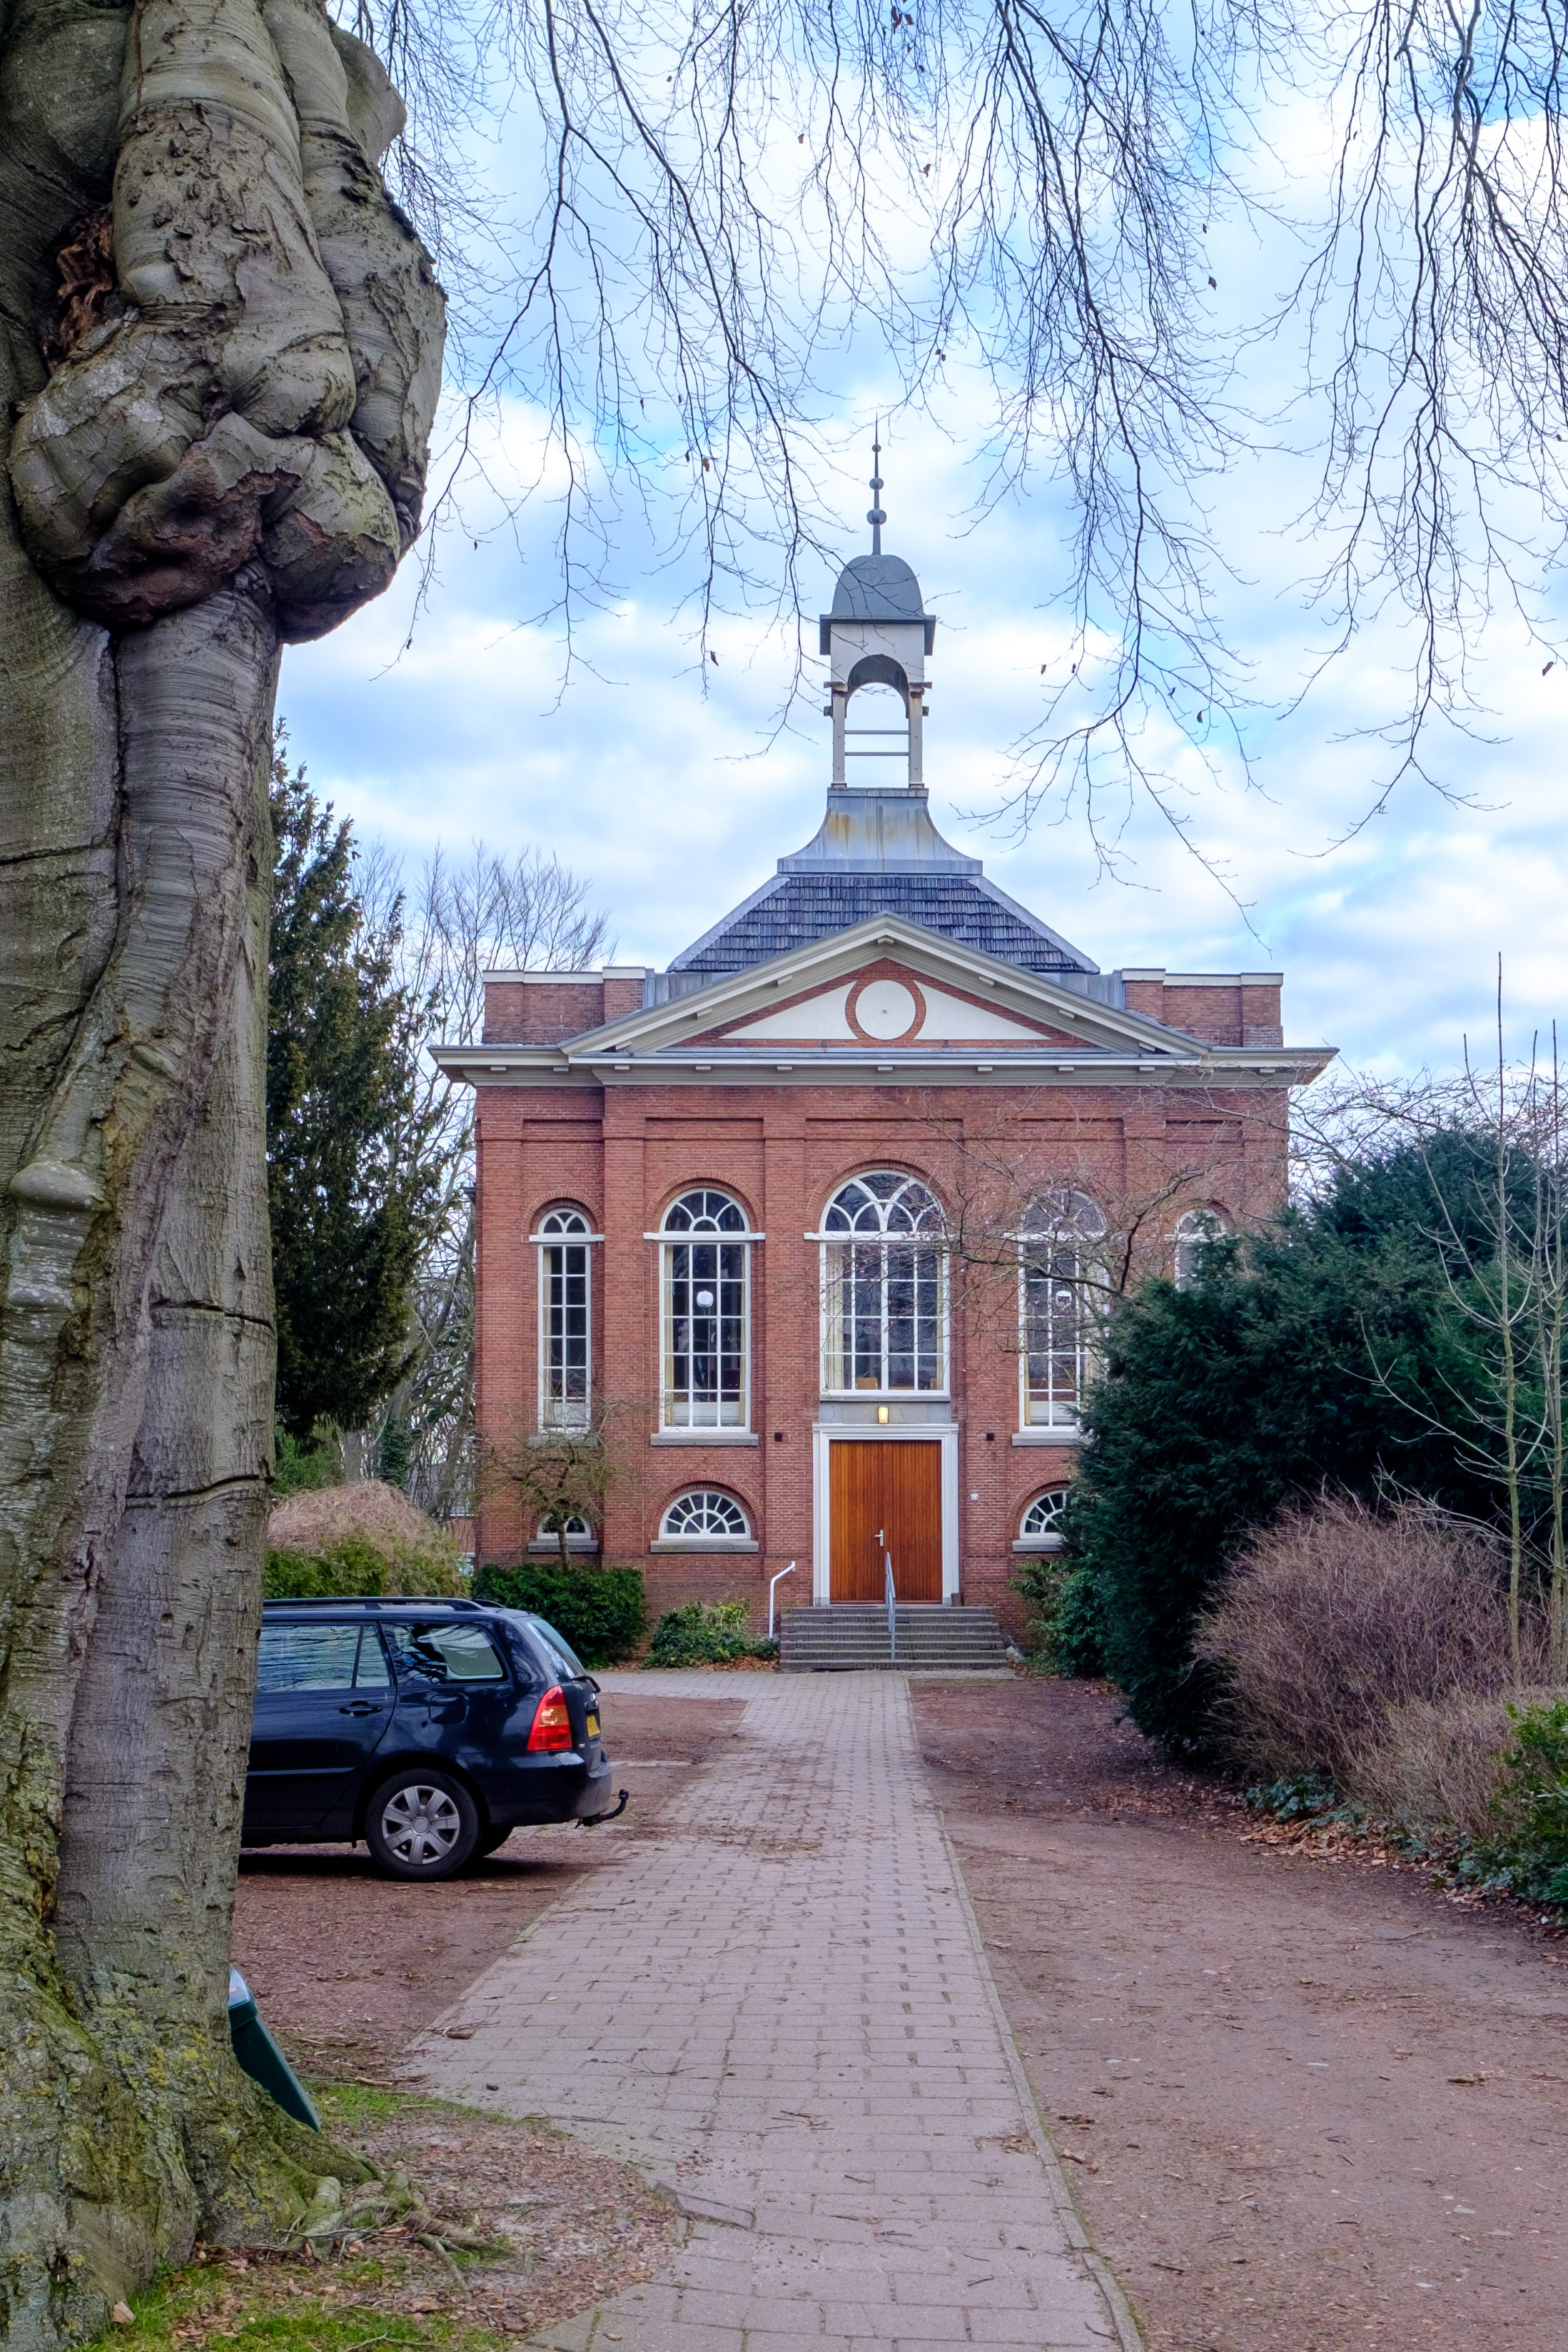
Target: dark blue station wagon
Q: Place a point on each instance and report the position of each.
(430, 1728)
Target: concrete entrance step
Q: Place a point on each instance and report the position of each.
(852, 1635)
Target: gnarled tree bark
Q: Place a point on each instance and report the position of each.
(220, 352)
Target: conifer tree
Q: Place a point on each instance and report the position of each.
(352, 1181)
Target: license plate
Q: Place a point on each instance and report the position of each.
(593, 1726)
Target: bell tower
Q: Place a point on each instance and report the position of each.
(877, 635)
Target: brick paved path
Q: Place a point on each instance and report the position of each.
(780, 2008)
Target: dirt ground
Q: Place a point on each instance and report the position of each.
(347, 1966)
(1307, 2105)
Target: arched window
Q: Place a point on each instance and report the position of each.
(1041, 1527)
(1196, 1231)
(1060, 1296)
(579, 1535)
(566, 1339)
(885, 1322)
(706, 1337)
(704, 1515)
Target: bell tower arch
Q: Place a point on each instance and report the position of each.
(878, 635)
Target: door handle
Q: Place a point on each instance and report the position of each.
(360, 1707)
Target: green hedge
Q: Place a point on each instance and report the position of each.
(353, 1566)
(602, 1612)
(1531, 1804)
(705, 1634)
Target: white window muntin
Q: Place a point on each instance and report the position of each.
(705, 1312)
(566, 1319)
(704, 1514)
(1196, 1231)
(1060, 1307)
(1041, 1525)
(884, 1288)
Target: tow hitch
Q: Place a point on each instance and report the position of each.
(615, 1816)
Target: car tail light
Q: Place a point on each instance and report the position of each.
(552, 1724)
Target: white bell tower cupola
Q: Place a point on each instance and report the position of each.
(877, 635)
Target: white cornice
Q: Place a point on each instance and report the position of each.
(1227, 1066)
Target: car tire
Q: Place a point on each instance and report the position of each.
(493, 1839)
(420, 1824)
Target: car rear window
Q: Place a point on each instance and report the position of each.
(318, 1657)
(448, 1653)
(560, 1657)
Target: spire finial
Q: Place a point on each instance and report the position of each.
(876, 517)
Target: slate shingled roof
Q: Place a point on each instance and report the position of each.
(801, 907)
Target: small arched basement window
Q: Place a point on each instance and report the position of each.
(705, 1517)
(1041, 1527)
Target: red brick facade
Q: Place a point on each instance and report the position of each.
(623, 1151)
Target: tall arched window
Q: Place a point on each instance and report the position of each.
(706, 1335)
(884, 1320)
(1194, 1232)
(1060, 1299)
(566, 1334)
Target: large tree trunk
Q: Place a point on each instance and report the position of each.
(221, 346)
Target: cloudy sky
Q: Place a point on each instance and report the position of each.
(669, 786)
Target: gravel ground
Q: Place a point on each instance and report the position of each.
(347, 1966)
(1309, 2102)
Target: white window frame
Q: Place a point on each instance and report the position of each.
(579, 1536)
(830, 1345)
(1046, 1539)
(1076, 1215)
(724, 1542)
(725, 1418)
(1196, 1231)
(557, 1235)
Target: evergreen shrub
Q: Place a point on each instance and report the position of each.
(1531, 1849)
(602, 1612)
(1324, 1351)
(706, 1633)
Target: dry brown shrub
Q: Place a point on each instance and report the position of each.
(1337, 1617)
(368, 1512)
(1435, 1768)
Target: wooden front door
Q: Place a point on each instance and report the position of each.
(884, 1493)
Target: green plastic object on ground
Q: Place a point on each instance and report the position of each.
(262, 2059)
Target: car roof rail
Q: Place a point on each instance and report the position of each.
(379, 1601)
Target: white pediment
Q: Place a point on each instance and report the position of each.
(884, 1007)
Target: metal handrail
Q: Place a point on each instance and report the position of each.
(892, 1599)
(771, 1589)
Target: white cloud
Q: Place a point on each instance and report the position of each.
(655, 777)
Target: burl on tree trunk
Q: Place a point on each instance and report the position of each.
(220, 351)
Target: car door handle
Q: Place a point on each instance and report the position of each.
(359, 1706)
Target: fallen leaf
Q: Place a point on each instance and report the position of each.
(122, 2316)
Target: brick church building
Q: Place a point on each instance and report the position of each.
(816, 1228)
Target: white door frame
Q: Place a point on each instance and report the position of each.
(858, 1433)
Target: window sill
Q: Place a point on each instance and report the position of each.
(580, 1430)
(704, 1543)
(545, 1547)
(1036, 1543)
(1047, 1437)
(702, 1437)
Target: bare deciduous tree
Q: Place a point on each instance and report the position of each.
(221, 351)
(717, 197)
(460, 919)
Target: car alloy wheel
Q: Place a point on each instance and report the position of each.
(422, 1825)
